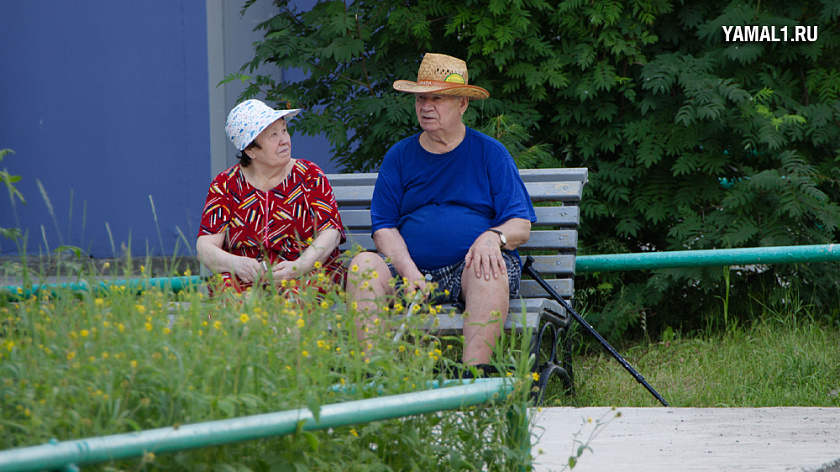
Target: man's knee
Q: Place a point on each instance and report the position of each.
(495, 287)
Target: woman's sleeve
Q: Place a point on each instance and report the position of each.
(216, 215)
(322, 201)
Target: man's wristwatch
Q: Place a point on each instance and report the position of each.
(501, 236)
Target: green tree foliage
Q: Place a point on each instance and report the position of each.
(692, 142)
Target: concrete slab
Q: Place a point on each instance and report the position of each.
(690, 439)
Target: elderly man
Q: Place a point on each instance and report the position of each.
(448, 202)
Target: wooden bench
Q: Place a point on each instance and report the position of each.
(553, 244)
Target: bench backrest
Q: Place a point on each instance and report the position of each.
(553, 241)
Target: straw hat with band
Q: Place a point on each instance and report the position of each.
(440, 74)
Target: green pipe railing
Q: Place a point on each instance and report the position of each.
(708, 257)
(70, 454)
(175, 284)
(583, 264)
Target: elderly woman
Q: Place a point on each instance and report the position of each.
(269, 213)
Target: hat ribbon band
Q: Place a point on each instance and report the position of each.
(440, 83)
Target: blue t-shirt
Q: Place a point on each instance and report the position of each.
(441, 203)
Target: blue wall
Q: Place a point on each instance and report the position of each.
(106, 101)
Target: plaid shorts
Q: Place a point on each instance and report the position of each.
(449, 278)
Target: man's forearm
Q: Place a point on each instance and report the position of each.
(517, 231)
(390, 242)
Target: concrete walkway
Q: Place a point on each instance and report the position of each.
(690, 439)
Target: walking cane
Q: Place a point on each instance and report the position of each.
(536, 276)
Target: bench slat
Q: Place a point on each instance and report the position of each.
(546, 216)
(562, 265)
(447, 323)
(571, 174)
(361, 195)
(539, 240)
(532, 289)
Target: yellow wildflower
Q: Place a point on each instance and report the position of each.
(140, 309)
(71, 355)
(148, 326)
(355, 268)
(536, 376)
(317, 264)
(217, 324)
(301, 323)
(244, 318)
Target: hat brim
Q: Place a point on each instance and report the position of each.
(264, 122)
(460, 90)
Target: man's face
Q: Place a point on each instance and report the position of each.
(439, 112)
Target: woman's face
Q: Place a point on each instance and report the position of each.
(439, 112)
(275, 145)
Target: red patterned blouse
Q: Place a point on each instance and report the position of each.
(277, 225)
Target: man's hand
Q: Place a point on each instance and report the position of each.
(415, 283)
(485, 256)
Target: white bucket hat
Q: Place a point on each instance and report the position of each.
(248, 119)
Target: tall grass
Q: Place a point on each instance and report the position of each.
(783, 358)
(76, 365)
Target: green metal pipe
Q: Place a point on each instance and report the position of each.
(710, 257)
(176, 284)
(583, 264)
(57, 455)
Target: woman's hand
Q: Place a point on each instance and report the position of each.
(246, 269)
(285, 270)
